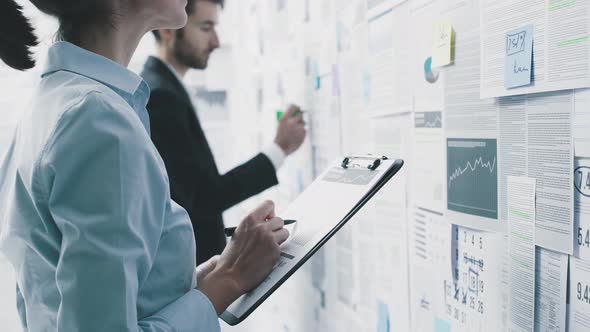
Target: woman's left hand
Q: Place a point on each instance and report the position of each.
(205, 268)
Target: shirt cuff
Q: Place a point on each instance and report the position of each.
(275, 154)
(192, 312)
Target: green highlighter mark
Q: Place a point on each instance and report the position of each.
(520, 214)
(561, 4)
(573, 41)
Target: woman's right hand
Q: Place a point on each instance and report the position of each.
(248, 258)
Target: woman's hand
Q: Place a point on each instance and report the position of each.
(205, 268)
(248, 258)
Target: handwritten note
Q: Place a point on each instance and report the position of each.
(442, 52)
(518, 67)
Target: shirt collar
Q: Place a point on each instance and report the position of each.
(131, 87)
(69, 57)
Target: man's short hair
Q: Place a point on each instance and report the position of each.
(190, 9)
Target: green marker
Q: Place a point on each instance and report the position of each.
(280, 114)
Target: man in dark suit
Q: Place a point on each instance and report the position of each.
(177, 133)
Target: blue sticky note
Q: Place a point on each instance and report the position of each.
(518, 66)
(383, 324)
(441, 325)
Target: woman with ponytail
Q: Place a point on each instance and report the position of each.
(16, 43)
(95, 240)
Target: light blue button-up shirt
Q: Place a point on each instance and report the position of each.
(89, 227)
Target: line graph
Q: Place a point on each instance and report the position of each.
(477, 164)
(472, 174)
(437, 123)
(428, 119)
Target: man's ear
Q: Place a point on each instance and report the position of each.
(167, 35)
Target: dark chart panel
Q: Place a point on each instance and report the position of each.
(472, 176)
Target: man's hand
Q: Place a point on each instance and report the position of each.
(291, 131)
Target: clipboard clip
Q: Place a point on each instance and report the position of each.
(369, 162)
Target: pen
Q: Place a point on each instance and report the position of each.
(229, 231)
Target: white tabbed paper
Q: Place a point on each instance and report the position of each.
(551, 290)
(579, 295)
(536, 141)
(521, 239)
(318, 210)
(560, 51)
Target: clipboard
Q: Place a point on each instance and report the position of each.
(349, 183)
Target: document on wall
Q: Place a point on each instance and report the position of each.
(427, 81)
(561, 51)
(345, 265)
(354, 88)
(471, 131)
(321, 210)
(536, 141)
(550, 153)
(582, 208)
(430, 250)
(550, 156)
(376, 7)
(551, 290)
(582, 122)
(513, 145)
(579, 295)
(391, 244)
(429, 150)
(473, 297)
(388, 91)
(325, 125)
(364, 230)
(390, 136)
(521, 251)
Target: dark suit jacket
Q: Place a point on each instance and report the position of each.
(195, 182)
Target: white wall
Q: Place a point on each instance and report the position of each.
(371, 276)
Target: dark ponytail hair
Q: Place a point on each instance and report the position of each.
(16, 36)
(75, 18)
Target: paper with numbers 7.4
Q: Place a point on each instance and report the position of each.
(321, 210)
(582, 208)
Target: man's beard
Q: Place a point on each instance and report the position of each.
(189, 59)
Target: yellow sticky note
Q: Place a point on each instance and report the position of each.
(442, 51)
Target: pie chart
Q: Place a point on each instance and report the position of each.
(430, 75)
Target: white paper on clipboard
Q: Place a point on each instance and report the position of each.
(326, 204)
